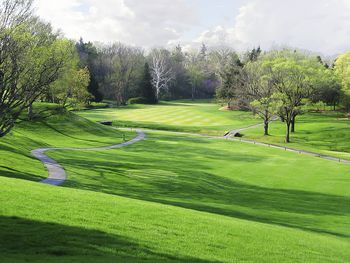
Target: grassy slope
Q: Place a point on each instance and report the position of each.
(222, 177)
(62, 130)
(325, 133)
(231, 204)
(204, 118)
(82, 226)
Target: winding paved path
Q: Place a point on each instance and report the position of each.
(57, 174)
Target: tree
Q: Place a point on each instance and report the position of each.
(229, 71)
(178, 88)
(88, 55)
(71, 88)
(328, 89)
(259, 89)
(31, 58)
(147, 90)
(253, 55)
(161, 70)
(194, 69)
(342, 70)
(117, 66)
(293, 75)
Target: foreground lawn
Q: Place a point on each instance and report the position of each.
(52, 129)
(326, 133)
(198, 117)
(41, 223)
(169, 198)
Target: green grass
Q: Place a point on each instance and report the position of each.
(221, 177)
(325, 133)
(52, 129)
(199, 117)
(46, 224)
(170, 198)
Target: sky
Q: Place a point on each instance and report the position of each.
(318, 25)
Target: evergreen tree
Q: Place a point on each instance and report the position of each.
(94, 90)
(88, 53)
(147, 90)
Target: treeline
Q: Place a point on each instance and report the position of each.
(118, 71)
(39, 64)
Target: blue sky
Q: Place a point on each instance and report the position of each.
(317, 25)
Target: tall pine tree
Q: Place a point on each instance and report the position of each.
(147, 90)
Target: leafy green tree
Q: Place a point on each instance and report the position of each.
(31, 58)
(328, 89)
(71, 87)
(293, 75)
(342, 69)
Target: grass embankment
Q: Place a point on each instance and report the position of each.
(43, 223)
(197, 117)
(325, 133)
(169, 198)
(54, 128)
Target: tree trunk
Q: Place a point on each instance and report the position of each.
(266, 122)
(229, 104)
(293, 124)
(193, 91)
(30, 112)
(266, 127)
(287, 134)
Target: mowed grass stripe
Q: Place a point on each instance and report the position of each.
(198, 117)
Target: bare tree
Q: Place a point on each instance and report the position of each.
(195, 71)
(14, 13)
(118, 66)
(161, 70)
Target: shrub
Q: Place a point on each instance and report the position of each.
(138, 100)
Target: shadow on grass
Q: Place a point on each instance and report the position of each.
(177, 180)
(22, 238)
(13, 173)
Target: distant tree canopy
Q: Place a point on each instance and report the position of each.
(37, 63)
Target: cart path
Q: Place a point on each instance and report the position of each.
(57, 174)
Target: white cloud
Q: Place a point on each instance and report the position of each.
(136, 22)
(318, 25)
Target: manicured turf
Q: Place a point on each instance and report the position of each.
(199, 117)
(46, 224)
(57, 129)
(326, 133)
(169, 198)
(222, 177)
